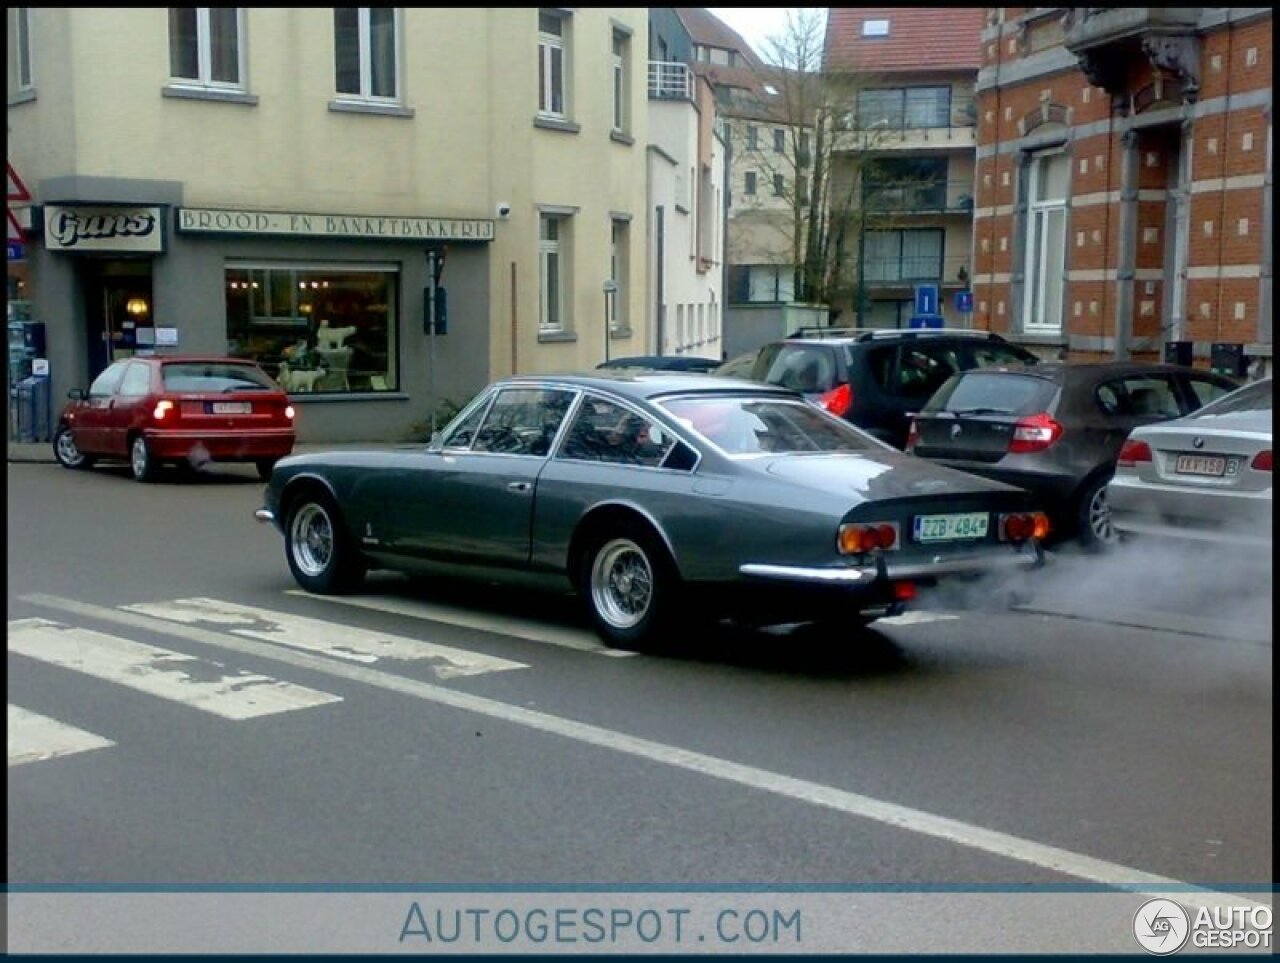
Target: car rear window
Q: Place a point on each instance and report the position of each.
(802, 367)
(215, 376)
(751, 425)
(985, 392)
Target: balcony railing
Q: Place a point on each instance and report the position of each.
(670, 80)
(961, 112)
(928, 197)
(907, 270)
(1089, 28)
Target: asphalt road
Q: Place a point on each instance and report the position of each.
(432, 732)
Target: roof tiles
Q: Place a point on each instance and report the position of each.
(919, 38)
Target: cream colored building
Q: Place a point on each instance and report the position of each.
(225, 179)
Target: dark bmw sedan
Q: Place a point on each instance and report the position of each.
(1056, 429)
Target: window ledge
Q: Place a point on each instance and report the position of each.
(552, 337)
(203, 93)
(551, 123)
(22, 97)
(364, 107)
(620, 333)
(331, 397)
(621, 138)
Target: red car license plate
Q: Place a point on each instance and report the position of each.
(232, 407)
(1212, 465)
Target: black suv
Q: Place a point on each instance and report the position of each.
(878, 378)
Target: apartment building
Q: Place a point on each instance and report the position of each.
(905, 150)
(1125, 181)
(236, 179)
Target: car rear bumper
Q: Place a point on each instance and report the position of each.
(886, 570)
(222, 446)
(1205, 515)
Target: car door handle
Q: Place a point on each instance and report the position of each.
(520, 487)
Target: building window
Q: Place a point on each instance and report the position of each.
(779, 185)
(20, 53)
(749, 185)
(365, 61)
(802, 187)
(906, 184)
(205, 47)
(621, 46)
(875, 28)
(552, 243)
(902, 256)
(1049, 180)
(761, 283)
(904, 108)
(619, 246)
(551, 63)
(316, 327)
(779, 140)
(753, 137)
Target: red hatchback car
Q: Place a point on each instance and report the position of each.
(178, 409)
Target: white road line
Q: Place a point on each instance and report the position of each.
(199, 683)
(915, 618)
(468, 619)
(327, 638)
(35, 738)
(854, 804)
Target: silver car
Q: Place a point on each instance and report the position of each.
(1206, 476)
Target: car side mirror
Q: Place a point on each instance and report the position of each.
(76, 394)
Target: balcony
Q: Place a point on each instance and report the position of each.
(918, 197)
(1107, 39)
(670, 80)
(906, 271)
(951, 125)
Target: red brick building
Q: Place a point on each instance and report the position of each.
(1124, 181)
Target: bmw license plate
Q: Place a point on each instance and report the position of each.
(951, 528)
(232, 407)
(1215, 466)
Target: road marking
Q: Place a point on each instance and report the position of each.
(35, 738)
(850, 803)
(196, 682)
(915, 618)
(568, 638)
(327, 638)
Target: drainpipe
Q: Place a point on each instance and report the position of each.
(1264, 267)
(660, 282)
(1126, 255)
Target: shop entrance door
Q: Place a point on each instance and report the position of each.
(117, 302)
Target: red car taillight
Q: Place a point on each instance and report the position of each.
(838, 400)
(854, 539)
(1035, 433)
(1133, 452)
(913, 436)
(1261, 461)
(1024, 525)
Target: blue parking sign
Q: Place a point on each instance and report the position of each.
(964, 302)
(926, 299)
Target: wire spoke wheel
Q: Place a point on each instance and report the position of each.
(311, 539)
(622, 583)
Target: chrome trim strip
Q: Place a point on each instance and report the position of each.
(805, 574)
(264, 515)
(1000, 559)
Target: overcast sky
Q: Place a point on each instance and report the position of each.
(756, 24)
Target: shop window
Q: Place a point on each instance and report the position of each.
(316, 328)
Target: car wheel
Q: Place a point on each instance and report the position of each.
(141, 463)
(66, 452)
(630, 586)
(320, 553)
(1094, 517)
(265, 465)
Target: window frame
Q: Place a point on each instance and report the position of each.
(619, 248)
(902, 277)
(204, 79)
(749, 183)
(24, 69)
(364, 54)
(549, 45)
(552, 251)
(620, 49)
(1037, 271)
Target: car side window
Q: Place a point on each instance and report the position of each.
(136, 381)
(880, 364)
(805, 368)
(1139, 396)
(105, 385)
(605, 431)
(464, 432)
(1204, 391)
(923, 368)
(993, 355)
(523, 421)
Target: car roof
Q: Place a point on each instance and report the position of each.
(872, 335)
(1083, 370)
(660, 361)
(641, 384)
(191, 359)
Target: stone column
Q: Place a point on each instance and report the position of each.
(1127, 250)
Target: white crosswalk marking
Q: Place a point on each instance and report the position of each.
(568, 638)
(199, 683)
(35, 738)
(327, 638)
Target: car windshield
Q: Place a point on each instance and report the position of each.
(220, 377)
(752, 425)
(1254, 397)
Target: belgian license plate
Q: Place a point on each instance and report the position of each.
(1212, 465)
(950, 528)
(232, 407)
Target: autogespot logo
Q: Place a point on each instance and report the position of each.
(1161, 926)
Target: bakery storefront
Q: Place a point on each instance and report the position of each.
(331, 305)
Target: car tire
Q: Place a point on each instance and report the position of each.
(320, 552)
(1093, 516)
(265, 466)
(630, 587)
(141, 463)
(66, 452)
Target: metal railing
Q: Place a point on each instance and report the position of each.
(919, 197)
(909, 269)
(670, 80)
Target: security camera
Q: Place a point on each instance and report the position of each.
(504, 211)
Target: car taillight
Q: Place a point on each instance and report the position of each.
(1261, 461)
(1021, 526)
(838, 400)
(162, 408)
(854, 539)
(913, 436)
(1035, 433)
(1133, 452)
(289, 412)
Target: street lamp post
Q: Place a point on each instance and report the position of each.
(610, 289)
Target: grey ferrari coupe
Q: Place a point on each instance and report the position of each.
(662, 499)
